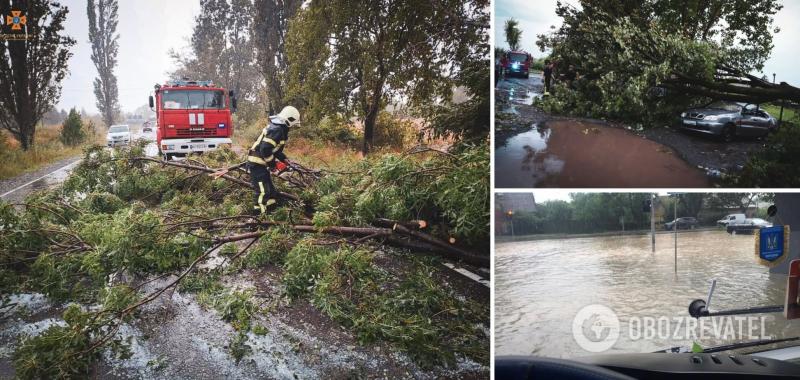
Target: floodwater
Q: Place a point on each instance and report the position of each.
(541, 285)
(579, 154)
(514, 92)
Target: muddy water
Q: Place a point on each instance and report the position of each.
(541, 285)
(582, 154)
(518, 92)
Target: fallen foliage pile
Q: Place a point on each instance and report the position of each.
(123, 220)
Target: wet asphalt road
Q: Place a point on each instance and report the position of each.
(535, 149)
(16, 189)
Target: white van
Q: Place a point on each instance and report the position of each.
(732, 219)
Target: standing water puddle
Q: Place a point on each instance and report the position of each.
(582, 154)
(518, 92)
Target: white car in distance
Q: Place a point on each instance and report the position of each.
(119, 134)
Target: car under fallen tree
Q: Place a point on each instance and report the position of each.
(729, 120)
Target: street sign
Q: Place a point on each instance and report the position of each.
(772, 244)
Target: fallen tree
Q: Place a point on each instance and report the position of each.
(697, 52)
(124, 215)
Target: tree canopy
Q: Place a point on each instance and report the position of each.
(103, 36)
(353, 58)
(32, 67)
(513, 34)
(696, 50)
(222, 50)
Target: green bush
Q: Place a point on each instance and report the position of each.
(72, 130)
(394, 133)
(776, 165)
(334, 129)
(538, 64)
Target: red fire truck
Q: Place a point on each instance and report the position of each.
(517, 63)
(192, 117)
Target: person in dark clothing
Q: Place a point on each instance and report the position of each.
(570, 76)
(548, 76)
(262, 155)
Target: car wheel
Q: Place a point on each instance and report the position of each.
(728, 133)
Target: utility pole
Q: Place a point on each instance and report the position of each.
(511, 218)
(675, 230)
(773, 78)
(653, 223)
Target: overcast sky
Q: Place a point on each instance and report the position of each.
(148, 29)
(536, 17)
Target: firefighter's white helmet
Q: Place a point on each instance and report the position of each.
(290, 116)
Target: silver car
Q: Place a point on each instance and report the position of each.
(118, 135)
(729, 120)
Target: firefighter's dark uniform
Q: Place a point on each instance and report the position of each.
(261, 158)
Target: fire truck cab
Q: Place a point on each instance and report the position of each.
(192, 117)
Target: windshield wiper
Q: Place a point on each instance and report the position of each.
(749, 344)
(733, 346)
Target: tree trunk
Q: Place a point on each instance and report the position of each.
(27, 130)
(369, 126)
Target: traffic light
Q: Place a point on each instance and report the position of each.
(646, 205)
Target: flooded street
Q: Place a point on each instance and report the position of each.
(541, 285)
(514, 92)
(534, 149)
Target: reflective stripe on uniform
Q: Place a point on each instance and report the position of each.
(271, 201)
(283, 142)
(261, 197)
(271, 141)
(258, 140)
(259, 160)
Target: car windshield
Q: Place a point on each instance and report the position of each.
(727, 106)
(192, 99)
(517, 57)
(118, 129)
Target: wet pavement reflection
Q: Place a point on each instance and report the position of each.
(549, 151)
(58, 176)
(540, 286)
(568, 153)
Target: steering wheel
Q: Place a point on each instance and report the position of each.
(532, 367)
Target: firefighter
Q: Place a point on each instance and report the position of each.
(262, 155)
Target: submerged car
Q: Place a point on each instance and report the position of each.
(684, 223)
(748, 226)
(729, 120)
(118, 135)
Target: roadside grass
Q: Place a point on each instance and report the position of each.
(320, 154)
(789, 114)
(46, 149)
